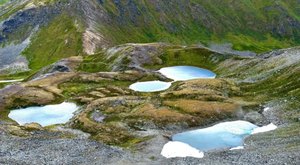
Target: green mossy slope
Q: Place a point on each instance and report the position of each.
(250, 25)
(61, 38)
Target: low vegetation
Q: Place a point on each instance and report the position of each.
(60, 39)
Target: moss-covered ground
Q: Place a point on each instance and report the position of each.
(60, 39)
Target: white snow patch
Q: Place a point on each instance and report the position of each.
(266, 128)
(266, 109)
(178, 149)
(10, 81)
(237, 148)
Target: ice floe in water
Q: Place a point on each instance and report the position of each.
(220, 136)
(182, 73)
(45, 115)
(150, 86)
(178, 149)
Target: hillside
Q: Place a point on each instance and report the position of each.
(95, 54)
(91, 25)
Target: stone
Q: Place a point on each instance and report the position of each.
(33, 126)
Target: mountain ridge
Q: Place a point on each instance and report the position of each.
(257, 26)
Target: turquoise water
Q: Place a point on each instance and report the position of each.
(150, 86)
(46, 115)
(177, 73)
(220, 136)
(182, 73)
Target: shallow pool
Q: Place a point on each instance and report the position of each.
(220, 136)
(226, 135)
(150, 86)
(45, 115)
(182, 73)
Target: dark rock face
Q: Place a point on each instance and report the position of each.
(16, 31)
(1, 39)
(25, 21)
(283, 24)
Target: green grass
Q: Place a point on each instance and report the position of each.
(3, 2)
(243, 42)
(20, 75)
(60, 39)
(243, 23)
(10, 10)
(281, 84)
(94, 63)
(77, 87)
(4, 116)
(189, 56)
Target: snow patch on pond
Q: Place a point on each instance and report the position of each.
(150, 86)
(226, 135)
(182, 73)
(46, 115)
(178, 149)
(219, 136)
